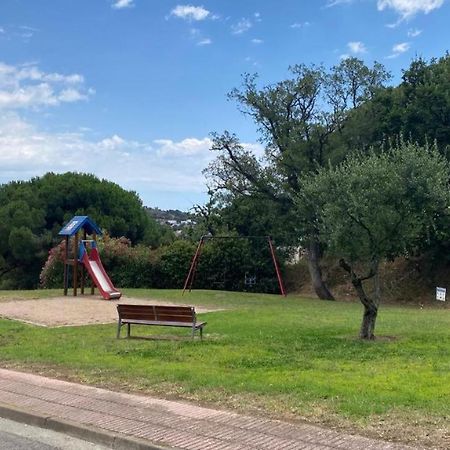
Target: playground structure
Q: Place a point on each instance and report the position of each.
(249, 279)
(82, 254)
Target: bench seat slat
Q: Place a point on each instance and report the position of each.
(162, 323)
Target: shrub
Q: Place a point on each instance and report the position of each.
(174, 264)
(127, 266)
(224, 264)
(52, 274)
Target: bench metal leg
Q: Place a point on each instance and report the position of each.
(128, 329)
(201, 333)
(119, 325)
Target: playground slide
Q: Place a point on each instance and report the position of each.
(97, 272)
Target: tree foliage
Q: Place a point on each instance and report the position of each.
(33, 212)
(376, 207)
(418, 108)
(296, 118)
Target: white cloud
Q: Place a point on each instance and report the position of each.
(257, 17)
(398, 49)
(414, 32)
(198, 37)
(71, 95)
(23, 32)
(252, 61)
(163, 165)
(29, 87)
(401, 48)
(257, 41)
(112, 143)
(300, 24)
(242, 26)
(26, 151)
(122, 4)
(356, 47)
(32, 96)
(405, 8)
(28, 28)
(189, 12)
(409, 8)
(186, 147)
(332, 3)
(255, 148)
(205, 41)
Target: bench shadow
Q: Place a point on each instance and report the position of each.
(161, 338)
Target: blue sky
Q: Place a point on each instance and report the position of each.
(130, 89)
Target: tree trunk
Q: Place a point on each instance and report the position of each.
(368, 322)
(370, 310)
(370, 304)
(313, 258)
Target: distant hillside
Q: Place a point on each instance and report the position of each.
(174, 218)
(170, 214)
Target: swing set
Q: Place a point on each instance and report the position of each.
(250, 280)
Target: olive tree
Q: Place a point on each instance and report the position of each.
(377, 207)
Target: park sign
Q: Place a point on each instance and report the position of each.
(440, 294)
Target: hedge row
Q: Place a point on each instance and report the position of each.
(227, 264)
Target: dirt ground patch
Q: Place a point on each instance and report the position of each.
(68, 311)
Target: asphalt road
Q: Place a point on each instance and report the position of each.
(18, 436)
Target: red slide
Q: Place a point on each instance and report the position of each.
(97, 272)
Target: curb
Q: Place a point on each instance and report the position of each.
(102, 437)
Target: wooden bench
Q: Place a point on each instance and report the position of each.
(160, 315)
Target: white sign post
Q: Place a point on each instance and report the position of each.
(440, 294)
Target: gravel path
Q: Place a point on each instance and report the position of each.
(67, 311)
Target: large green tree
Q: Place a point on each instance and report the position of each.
(418, 108)
(32, 213)
(377, 207)
(23, 235)
(296, 118)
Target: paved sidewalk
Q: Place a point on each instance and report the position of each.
(136, 422)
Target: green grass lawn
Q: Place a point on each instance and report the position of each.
(285, 357)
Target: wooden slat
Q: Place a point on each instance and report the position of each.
(138, 317)
(159, 308)
(136, 313)
(173, 308)
(157, 313)
(121, 307)
(159, 323)
(174, 319)
(174, 312)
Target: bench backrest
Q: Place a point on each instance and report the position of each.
(160, 313)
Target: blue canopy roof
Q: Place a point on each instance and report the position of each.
(78, 222)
